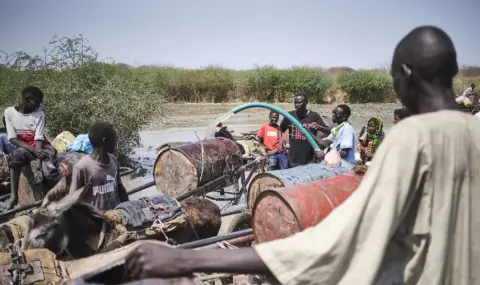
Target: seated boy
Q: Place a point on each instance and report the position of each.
(101, 169)
(25, 130)
(274, 141)
(342, 137)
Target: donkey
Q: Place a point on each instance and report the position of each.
(73, 229)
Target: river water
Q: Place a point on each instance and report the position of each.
(190, 122)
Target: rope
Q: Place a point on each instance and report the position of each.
(203, 155)
(190, 223)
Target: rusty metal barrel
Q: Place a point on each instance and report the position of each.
(180, 169)
(291, 176)
(282, 212)
(29, 193)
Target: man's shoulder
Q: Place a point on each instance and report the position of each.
(10, 111)
(451, 122)
(84, 162)
(349, 127)
(113, 160)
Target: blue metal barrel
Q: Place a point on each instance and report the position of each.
(292, 176)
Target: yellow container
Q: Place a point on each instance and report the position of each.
(61, 142)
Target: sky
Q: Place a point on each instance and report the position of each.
(239, 34)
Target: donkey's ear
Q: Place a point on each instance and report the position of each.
(58, 207)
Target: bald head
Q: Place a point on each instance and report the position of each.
(424, 64)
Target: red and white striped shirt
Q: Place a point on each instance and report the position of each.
(26, 127)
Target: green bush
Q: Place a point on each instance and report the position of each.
(303, 79)
(271, 84)
(366, 86)
(80, 91)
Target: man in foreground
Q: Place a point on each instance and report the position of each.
(412, 220)
(274, 141)
(300, 151)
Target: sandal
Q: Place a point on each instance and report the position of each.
(37, 174)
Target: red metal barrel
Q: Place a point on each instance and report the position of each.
(186, 167)
(282, 212)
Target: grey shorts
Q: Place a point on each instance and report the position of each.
(22, 157)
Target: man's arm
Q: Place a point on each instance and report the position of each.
(260, 133)
(78, 178)
(12, 133)
(40, 132)
(143, 262)
(322, 126)
(284, 125)
(346, 141)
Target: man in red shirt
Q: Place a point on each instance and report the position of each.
(274, 141)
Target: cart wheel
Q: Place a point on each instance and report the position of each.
(240, 222)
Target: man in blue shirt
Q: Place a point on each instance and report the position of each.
(342, 137)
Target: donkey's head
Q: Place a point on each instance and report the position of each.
(54, 226)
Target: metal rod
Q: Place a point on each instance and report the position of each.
(20, 209)
(207, 241)
(202, 189)
(234, 241)
(141, 187)
(234, 210)
(126, 172)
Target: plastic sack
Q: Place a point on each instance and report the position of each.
(81, 144)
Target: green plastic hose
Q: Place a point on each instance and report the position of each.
(285, 114)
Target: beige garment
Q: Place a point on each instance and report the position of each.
(414, 219)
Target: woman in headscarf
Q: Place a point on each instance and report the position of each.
(371, 139)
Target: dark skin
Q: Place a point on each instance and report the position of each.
(100, 154)
(338, 117)
(372, 128)
(28, 105)
(273, 117)
(421, 48)
(300, 103)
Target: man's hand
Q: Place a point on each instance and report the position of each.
(362, 132)
(39, 153)
(319, 155)
(155, 261)
(315, 126)
(343, 153)
(272, 152)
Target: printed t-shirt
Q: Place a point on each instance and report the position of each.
(300, 151)
(412, 220)
(26, 127)
(269, 135)
(104, 192)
